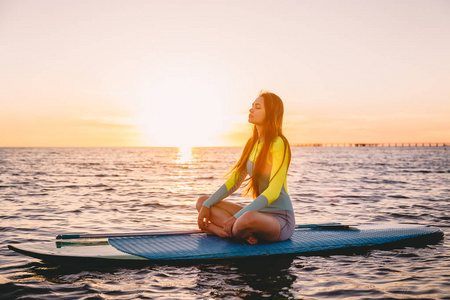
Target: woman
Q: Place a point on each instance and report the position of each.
(266, 158)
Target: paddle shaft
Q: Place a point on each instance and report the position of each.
(336, 226)
(122, 234)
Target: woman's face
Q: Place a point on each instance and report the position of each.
(257, 112)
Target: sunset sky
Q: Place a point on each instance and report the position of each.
(184, 73)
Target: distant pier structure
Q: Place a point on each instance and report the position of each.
(373, 145)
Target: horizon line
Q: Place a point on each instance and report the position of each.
(391, 144)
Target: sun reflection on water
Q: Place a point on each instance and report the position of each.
(184, 155)
(182, 184)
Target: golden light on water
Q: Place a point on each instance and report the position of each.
(184, 155)
(182, 184)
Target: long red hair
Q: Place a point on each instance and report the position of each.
(272, 128)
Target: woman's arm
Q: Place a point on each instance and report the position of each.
(228, 188)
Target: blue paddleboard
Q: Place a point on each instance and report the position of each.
(304, 241)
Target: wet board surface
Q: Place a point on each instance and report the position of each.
(202, 246)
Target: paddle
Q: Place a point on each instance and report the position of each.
(112, 235)
(329, 226)
(334, 226)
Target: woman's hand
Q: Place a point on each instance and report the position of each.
(203, 218)
(228, 226)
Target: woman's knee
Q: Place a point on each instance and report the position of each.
(249, 219)
(200, 202)
(258, 224)
(245, 225)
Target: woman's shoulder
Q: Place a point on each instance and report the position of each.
(278, 143)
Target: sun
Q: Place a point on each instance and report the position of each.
(185, 113)
(178, 130)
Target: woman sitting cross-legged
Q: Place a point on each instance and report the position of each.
(265, 158)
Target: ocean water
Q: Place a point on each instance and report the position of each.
(46, 191)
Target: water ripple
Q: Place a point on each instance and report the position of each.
(46, 191)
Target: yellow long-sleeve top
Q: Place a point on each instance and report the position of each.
(273, 193)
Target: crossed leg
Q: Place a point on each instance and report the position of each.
(219, 213)
(251, 226)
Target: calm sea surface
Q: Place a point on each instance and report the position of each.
(46, 191)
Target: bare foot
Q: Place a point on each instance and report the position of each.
(208, 232)
(252, 240)
(216, 230)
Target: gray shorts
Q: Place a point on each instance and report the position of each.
(286, 218)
